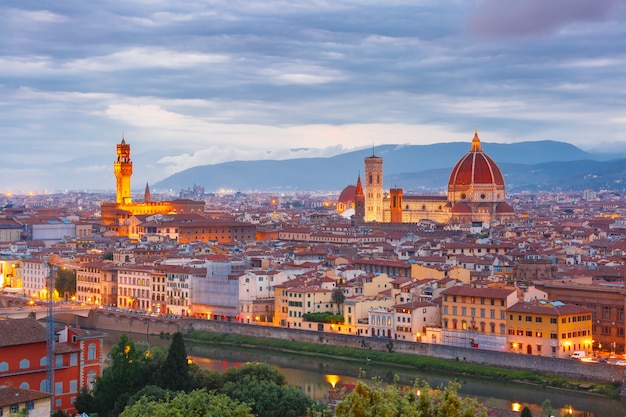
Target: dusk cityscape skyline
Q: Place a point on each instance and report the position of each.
(207, 82)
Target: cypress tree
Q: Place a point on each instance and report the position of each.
(175, 370)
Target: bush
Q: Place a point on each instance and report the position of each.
(326, 317)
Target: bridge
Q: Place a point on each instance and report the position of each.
(40, 312)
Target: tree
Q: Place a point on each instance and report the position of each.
(546, 408)
(203, 378)
(175, 371)
(254, 372)
(526, 412)
(270, 400)
(422, 401)
(108, 256)
(85, 402)
(195, 403)
(65, 282)
(338, 297)
(151, 392)
(120, 379)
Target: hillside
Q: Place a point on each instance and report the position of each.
(418, 168)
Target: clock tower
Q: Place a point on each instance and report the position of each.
(123, 170)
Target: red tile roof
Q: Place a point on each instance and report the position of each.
(21, 332)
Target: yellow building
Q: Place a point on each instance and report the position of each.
(308, 299)
(476, 317)
(11, 280)
(549, 329)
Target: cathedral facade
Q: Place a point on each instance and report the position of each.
(476, 193)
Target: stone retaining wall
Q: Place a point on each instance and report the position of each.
(569, 368)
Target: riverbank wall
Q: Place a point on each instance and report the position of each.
(569, 368)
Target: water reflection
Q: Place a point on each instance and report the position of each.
(316, 377)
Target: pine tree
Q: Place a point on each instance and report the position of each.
(175, 370)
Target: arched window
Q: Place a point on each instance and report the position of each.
(43, 361)
(24, 364)
(24, 385)
(4, 366)
(91, 378)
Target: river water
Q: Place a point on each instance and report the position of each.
(316, 376)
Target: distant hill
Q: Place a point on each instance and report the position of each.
(418, 168)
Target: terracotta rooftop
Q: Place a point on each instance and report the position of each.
(21, 332)
(9, 396)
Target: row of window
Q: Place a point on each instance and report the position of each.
(482, 312)
(59, 360)
(472, 300)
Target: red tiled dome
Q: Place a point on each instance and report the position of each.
(504, 208)
(475, 168)
(347, 195)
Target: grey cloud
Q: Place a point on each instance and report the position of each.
(536, 17)
(179, 77)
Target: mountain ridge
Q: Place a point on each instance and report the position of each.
(534, 165)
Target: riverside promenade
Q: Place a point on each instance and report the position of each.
(143, 324)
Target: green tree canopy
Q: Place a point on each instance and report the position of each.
(338, 298)
(197, 403)
(267, 399)
(65, 282)
(254, 372)
(422, 401)
(119, 380)
(175, 370)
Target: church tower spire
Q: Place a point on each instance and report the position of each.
(123, 170)
(359, 201)
(146, 194)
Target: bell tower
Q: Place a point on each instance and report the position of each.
(123, 170)
(373, 189)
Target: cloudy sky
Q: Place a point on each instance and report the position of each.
(201, 82)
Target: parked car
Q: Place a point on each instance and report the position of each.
(620, 363)
(603, 360)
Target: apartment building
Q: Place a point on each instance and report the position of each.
(549, 329)
(476, 317)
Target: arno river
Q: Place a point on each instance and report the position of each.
(316, 376)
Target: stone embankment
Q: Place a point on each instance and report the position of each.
(573, 369)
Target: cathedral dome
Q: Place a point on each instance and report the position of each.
(347, 199)
(475, 168)
(347, 195)
(503, 207)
